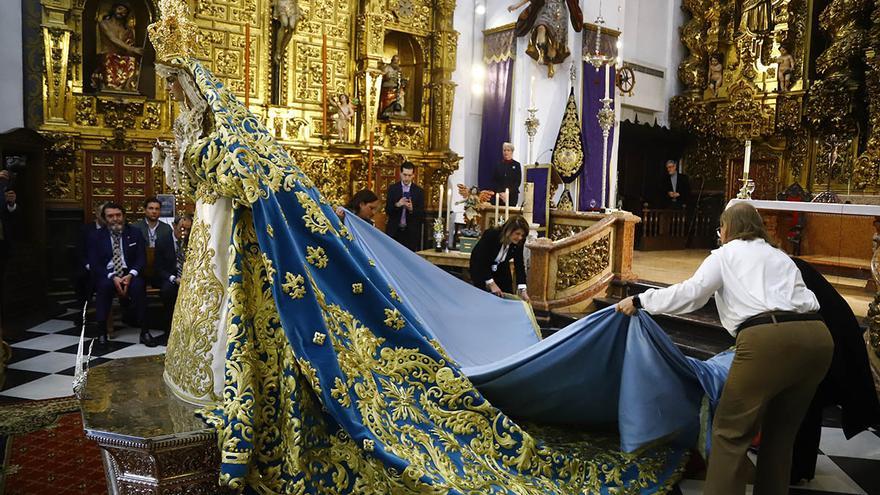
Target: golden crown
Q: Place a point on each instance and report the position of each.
(175, 34)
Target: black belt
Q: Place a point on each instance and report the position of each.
(778, 317)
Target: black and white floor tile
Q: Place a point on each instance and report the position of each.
(43, 357)
(42, 367)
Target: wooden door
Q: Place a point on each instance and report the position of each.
(122, 177)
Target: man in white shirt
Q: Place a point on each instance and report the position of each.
(783, 350)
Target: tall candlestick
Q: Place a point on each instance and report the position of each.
(496, 208)
(748, 158)
(607, 79)
(506, 203)
(247, 65)
(449, 220)
(532, 93)
(370, 163)
(440, 208)
(324, 77)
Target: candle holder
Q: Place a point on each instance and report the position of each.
(747, 188)
(606, 122)
(532, 123)
(439, 234)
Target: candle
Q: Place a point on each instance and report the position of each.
(370, 163)
(532, 93)
(748, 157)
(324, 76)
(496, 208)
(440, 208)
(449, 230)
(247, 65)
(506, 203)
(607, 80)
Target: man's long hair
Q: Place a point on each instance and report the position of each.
(744, 222)
(112, 13)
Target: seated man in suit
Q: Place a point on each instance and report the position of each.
(116, 258)
(405, 207)
(153, 231)
(170, 257)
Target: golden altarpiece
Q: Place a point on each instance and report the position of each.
(103, 129)
(800, 79)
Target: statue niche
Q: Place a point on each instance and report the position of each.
(117, 58)
(401, 92)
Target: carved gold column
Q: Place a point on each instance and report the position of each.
(445, 41)
(56, 42)
(867, 166)
(692, 70)
(370, 49)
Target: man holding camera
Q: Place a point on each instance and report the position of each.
(405, 207)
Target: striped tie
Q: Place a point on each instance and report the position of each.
(118, 269)
(181, 258)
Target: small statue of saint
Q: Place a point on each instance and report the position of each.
(544, 22)
(716, 74)
(473, 198)
(288, 15)
(784, 69)
(344, 114)
(118, 58)
(391, 98)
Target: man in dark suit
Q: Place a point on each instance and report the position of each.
(116, 259)
(405, 207)
(507, 176)
(82, 273)
(678, 187)
(170, 257)
(153, 231)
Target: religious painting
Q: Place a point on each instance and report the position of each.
(400, 97)
(117, 56)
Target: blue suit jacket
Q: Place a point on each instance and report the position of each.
(100, 251)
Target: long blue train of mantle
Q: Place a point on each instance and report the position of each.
(605, 369)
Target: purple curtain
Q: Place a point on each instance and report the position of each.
(591, 175)
(496, 118)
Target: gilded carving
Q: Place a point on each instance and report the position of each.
(196, 316)
(61, 160)
(561, 231)
(585, 263)
(691, 71)
(85, 111)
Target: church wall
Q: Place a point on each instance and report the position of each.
(464, 134)
(11, 80)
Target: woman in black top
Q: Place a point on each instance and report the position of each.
(490, 259)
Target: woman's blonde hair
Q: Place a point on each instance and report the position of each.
(744, 222)
(513, 224)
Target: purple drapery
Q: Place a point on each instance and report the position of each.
(591, 175)
(496, 118)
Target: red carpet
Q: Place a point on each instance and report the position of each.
(45, 451)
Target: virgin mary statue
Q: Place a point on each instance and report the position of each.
(317, 376)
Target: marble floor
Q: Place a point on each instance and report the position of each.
(670, 267)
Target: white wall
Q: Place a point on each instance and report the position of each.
(11, 77)
(650, 39)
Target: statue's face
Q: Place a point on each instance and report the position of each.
(782, 50)
(175, 90)
(395, 60)
(713, 61)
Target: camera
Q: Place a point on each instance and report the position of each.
(14, 164)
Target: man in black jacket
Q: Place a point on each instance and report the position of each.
(507, 176)
(405, 208)
(848, 382)
(677, 191)
(490, 259)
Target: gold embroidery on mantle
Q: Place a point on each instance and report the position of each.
(194, 327)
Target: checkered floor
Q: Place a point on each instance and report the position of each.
(43, 359)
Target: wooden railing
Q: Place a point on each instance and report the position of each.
(584, 253)
(672, 229)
